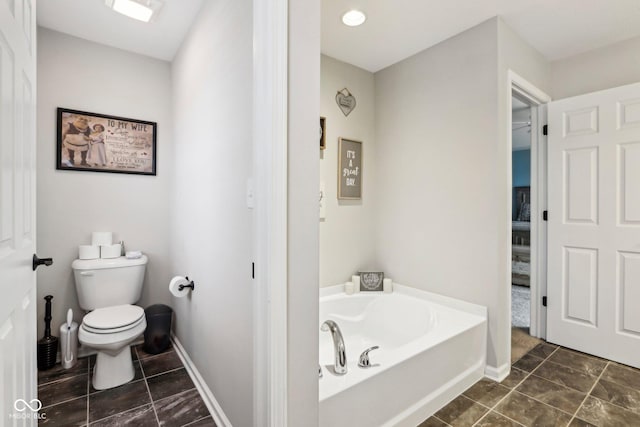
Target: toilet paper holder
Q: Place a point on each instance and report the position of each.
(190, 285)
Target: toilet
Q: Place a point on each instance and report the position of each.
(107, 289)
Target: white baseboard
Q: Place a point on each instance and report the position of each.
(213, 406)
(497, 374)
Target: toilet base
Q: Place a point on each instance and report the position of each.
(112, 371)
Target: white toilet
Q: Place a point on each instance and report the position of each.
(108, 288)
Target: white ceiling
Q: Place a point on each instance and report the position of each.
(394, 30)
(397, 29)
(92, 20)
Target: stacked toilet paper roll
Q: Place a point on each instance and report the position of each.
(102, 243)
(88, 252)
(110, 251)
(101, 247)
(174, 286)
(101, 238)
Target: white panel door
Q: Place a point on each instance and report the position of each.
(594, 224)
(18, 379)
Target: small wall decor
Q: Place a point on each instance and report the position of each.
(323, 144)
(346, 101)
(522, 203)
(100, 143)
(371, 281)
(349, 169)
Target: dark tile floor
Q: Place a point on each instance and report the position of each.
(161, 394)
(550, 386)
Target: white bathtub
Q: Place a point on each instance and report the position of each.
(431, 349)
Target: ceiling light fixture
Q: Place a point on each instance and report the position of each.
(142, 10)
(353, 18)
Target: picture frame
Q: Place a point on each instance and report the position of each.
(522, 203)
(92, 142)
(349, 169)
(323, 132)
(371, 281)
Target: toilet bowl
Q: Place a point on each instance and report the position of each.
(110, 331)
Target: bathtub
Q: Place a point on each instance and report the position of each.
(432, 348)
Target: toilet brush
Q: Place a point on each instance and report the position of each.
(48, 345)
(68, 356)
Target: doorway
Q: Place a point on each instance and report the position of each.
(521, 214)
(527, 203)
(521, 256)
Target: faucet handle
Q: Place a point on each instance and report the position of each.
(364, 357)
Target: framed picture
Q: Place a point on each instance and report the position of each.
(100, 143)
(349, 169)
(371, 281)
(323, 144)
(522, 203)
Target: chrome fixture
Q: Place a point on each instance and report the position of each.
(340, 367)
(364, 358)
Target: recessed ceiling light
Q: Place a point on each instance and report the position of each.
(353, 18)
(142, 10)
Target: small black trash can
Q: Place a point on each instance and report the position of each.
(157, 336)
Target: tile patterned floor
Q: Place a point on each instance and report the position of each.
(521, 342)
(550, 386)
(161, 394)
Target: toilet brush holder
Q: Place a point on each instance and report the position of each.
(69, 342)
(48, 345)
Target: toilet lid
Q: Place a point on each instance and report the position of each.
(118, 316)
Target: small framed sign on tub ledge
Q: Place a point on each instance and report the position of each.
(371, 281)
(100, 143)
(349, 169)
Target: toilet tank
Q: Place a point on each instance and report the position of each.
(107, 282)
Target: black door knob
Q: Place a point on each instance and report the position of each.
(41, 261)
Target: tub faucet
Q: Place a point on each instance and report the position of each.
(340, 366)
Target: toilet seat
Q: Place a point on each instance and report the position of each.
(111, 338)
(110, 320)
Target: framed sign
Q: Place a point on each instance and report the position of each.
(99, 143)
(371, 281)
(349, 169)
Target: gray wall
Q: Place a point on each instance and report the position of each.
(347, 234)
(211, 231)
(604, 68)
(436, 131)
(443, 165)
(78, 74)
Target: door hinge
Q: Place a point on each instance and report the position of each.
(545, 215)
(545, 130)
(544, 301)
(253, 270)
